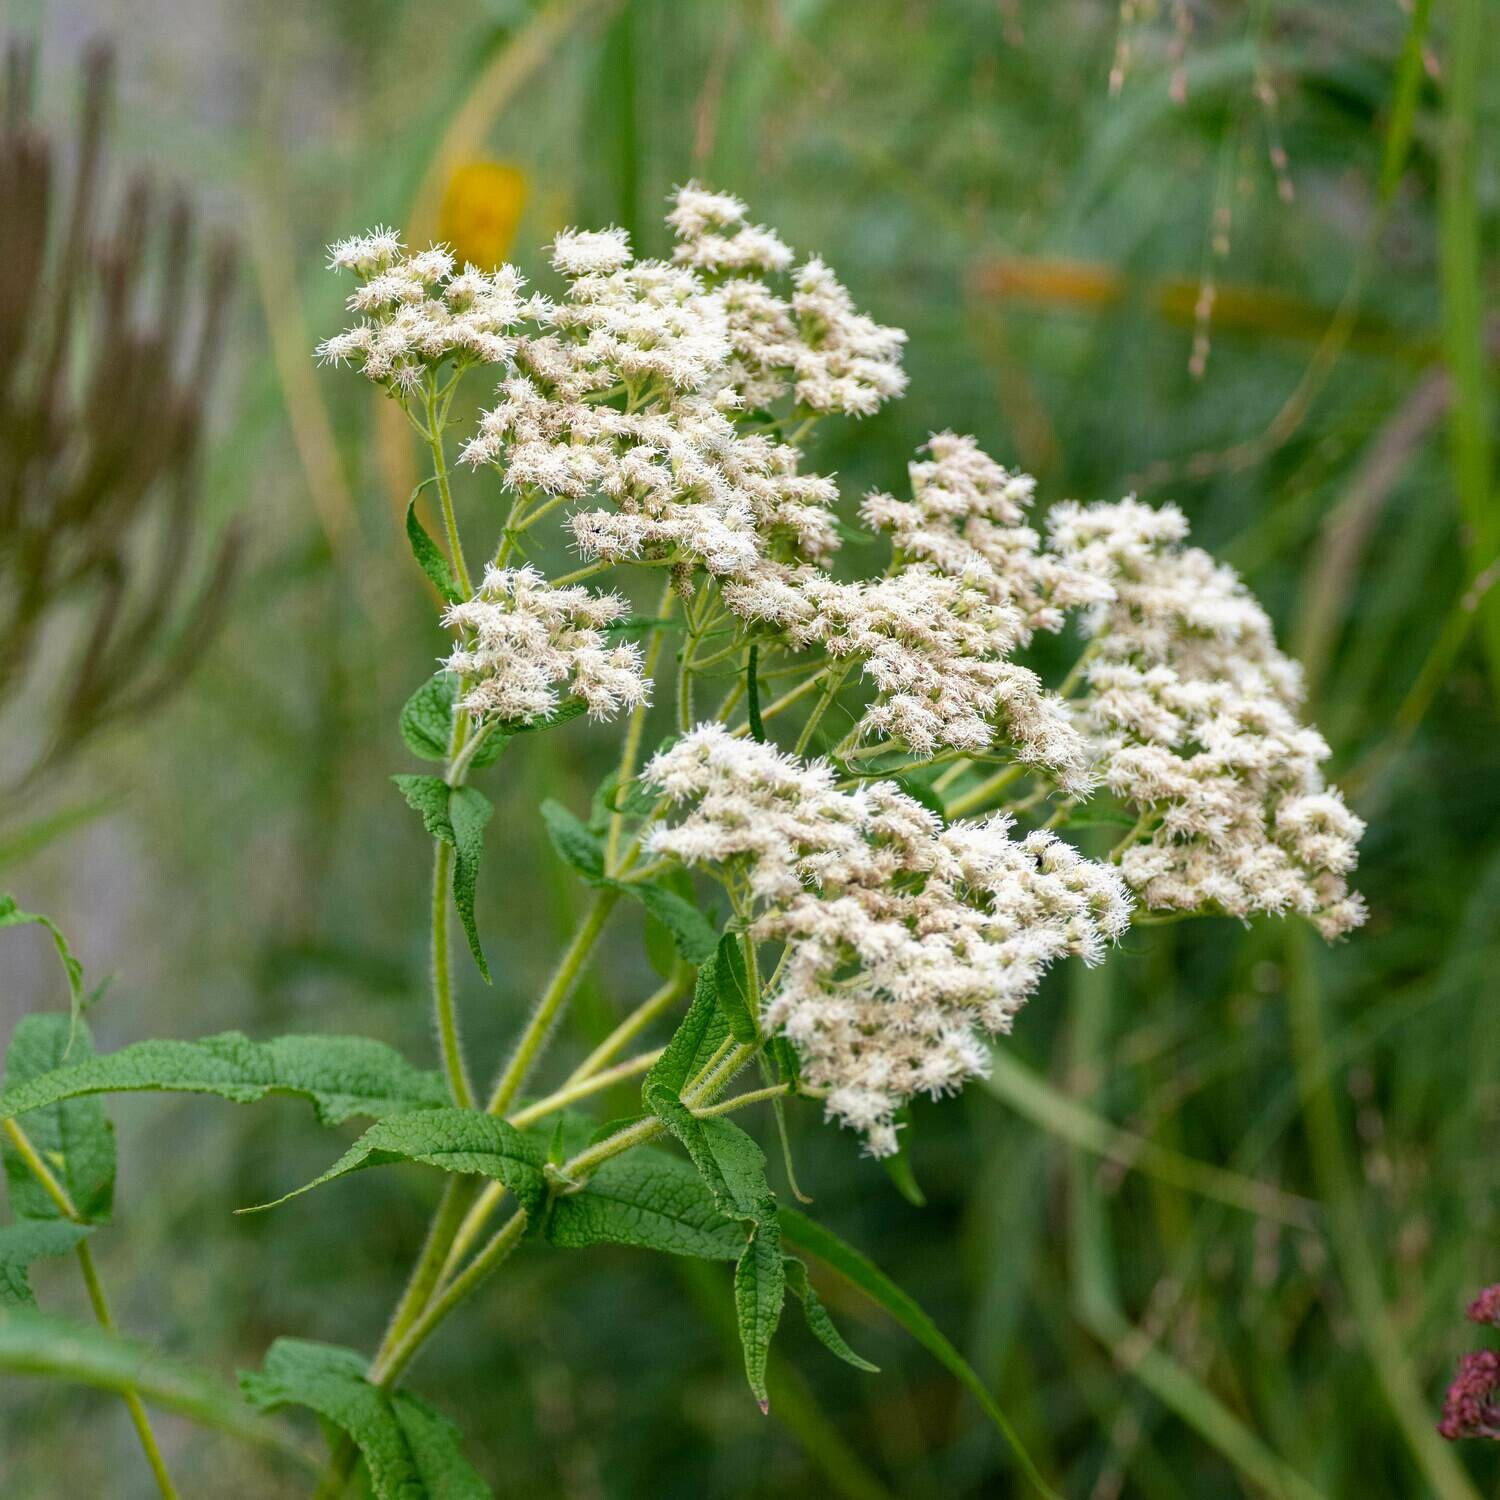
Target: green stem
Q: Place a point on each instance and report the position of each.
(442, 979)
(65, 1206)
(831, 688)
(386, 1372)
(427, 1272)
(628, 1029)
(552, 1001)
(434, 436)
(986, 789)
(138, 1417)
(636, 729)
(571, 1093)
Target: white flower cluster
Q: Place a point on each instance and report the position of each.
(816, 344)
(1192, 711)
(681, 480)
(523, 638)
(936, 651)
(417, 312)
(906, 942)
(966, 519)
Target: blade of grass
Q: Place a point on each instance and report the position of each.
(1096, 1299)
(1351, 1242)
(868, 1278)
(1471, 444)
(1070, 1121)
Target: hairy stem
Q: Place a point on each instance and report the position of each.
(553, 998)
(442, 979)
(636, 729)
(65, 1206)
(434, 435)
(385, 1372)
(570, 1093)
(972, 800)
(831, 688)
(633, 1024)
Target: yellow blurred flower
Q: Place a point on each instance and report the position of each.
(481, 210)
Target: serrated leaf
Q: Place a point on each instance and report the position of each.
(427, 717)
(465, 1141)
(73, 1136)
(693, 935)
(649, 1199)
(30, 1240)
(759, 1295)
(731, 982)
(561, 715)
(868, 1278)
(700, 1034)
(818, 1322)
(468, 812)
(456, 815)
(11, 915)
(410, 1452)
(429, 556)
(732, 1166)
(495, 741)
(577, 847)
(788, 1064)
(33, 1343)
(427, 796)
(342, 1076)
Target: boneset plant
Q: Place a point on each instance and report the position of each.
(855, 829)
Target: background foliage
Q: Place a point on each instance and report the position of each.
(1151, 1327)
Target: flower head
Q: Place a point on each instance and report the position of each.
(417, 312)
(906, 942)
(525, 638)
(1192, 715)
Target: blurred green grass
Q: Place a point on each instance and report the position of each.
(257, 869)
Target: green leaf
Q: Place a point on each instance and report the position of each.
(457, 1140)
(32, 1343)
(72, 1136)
(427, 717)
(868, 1278)
(693, 935)
(468, 811)
(731, 1165)
(568, 710)
(456, 815)
(638, 626)
(30, 1240)
(898, 1167)
(700, 1035)
(495, 741)
(11, 915)
(759, 1294)
(343, 1076)
(650, 1199)
(410, 1451)
(427, 796)
(788, 1064)
(731, 982)
(752, 695)
(818, 1322)
(428, 555)
(578, 848)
